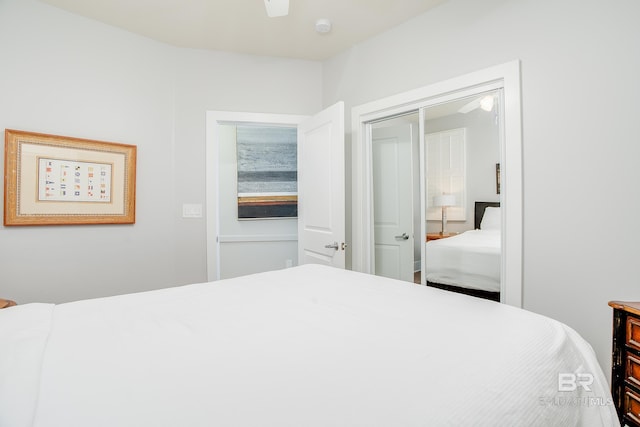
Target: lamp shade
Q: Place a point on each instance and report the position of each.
(444, 200)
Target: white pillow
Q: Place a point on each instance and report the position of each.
(491, 219)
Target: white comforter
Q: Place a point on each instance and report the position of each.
(307, 346)
(469, 260)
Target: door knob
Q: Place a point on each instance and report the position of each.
(332, 246)
(404, 236)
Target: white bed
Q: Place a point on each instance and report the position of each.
(470, 260)
(306, 346)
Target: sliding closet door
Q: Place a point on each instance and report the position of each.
(393, 188)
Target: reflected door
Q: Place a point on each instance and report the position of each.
(393, 202)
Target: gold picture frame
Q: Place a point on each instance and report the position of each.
(60, 180)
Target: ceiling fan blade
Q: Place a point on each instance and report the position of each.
(470, 106)
(276, 8)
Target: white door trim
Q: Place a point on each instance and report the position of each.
(213, 121)
(505, 76)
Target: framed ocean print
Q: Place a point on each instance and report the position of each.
(267, 162)
(58, 180)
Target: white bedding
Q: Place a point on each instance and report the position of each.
(307, 346)
(469, 260)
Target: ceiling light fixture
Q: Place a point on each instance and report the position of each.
(486, 103)
(323, 26)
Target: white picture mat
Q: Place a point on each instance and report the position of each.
(71, 181)
(28, 203)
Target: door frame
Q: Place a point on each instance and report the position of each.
(215, 119)
(504, 76)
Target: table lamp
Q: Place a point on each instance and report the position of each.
(444, 200)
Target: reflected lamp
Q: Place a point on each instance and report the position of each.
(444, 201)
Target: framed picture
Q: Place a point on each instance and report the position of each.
(497, 178)
(54, 180)
(267, 172)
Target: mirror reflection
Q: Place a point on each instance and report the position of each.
(463, 216)
(396, 197)
(461, 195)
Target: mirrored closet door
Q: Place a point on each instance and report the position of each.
(462, 146)
(464, 179)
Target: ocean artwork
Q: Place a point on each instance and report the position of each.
(267, 172)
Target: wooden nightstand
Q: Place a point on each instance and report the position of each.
(4, 303)
(436, 236)
(625, 366)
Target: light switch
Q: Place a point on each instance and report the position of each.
(192, 211)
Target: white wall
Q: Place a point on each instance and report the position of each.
(219, 81)
(66, 75)
(580, 91)
(482, 153)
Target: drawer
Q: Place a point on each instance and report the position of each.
(632, 369)
(633, 332)
(632, 405)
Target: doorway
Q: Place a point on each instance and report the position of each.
(262, 244)
(239, 246)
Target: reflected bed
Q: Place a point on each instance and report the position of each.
(469, 262)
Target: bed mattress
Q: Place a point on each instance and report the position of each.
(306, 346)
(468, 260)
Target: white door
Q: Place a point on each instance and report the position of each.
(393, 202)
(321, 186)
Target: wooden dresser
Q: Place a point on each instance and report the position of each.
(625, 366)
(4, 303)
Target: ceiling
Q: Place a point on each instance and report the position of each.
(242, 26)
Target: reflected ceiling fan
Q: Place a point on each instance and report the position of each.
(277, 8)
(484, 102)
